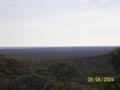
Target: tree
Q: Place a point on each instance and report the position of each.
(115, 59)
(64, 72)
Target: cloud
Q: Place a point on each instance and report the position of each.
(105, 1)
(95, 1)
(51, 4)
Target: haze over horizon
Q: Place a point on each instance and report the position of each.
(59, 23)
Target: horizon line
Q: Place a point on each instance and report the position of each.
(62, 46)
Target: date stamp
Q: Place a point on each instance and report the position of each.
(100, 79)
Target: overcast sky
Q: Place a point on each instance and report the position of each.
(59, 22)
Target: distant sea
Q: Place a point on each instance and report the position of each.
(53, 53)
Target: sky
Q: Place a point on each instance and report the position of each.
(59, 23)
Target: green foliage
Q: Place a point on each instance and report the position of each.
(10, 67)
(63, 71)
(62, 75)
(29, 82)
(115, 59)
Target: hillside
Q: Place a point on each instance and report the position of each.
(65, 74)
(10, 67)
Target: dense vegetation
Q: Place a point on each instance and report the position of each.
(59, 75)
(114, 58)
